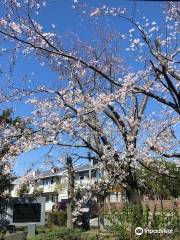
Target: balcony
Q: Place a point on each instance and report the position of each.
(85, 181)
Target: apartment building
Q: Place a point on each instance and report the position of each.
(53, 184)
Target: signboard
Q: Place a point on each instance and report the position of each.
(27, 212)
(23, 211)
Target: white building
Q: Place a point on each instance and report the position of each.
(53, 183)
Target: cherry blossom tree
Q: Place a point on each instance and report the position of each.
(12, 131)
(15, 133)
(101, 105)
(156, 47)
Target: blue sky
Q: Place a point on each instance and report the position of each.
(66, 20)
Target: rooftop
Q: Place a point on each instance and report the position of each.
(54, 172)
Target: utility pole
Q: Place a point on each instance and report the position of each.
(70, 202)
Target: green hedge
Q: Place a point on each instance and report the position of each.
(57, 218)
(63, 233)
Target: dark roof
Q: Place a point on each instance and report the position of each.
(49, 173)
(84, 167)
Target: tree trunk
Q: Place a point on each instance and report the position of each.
(101, 212)
(109, 205)
(70, 193)
(56, 201)
(132, 190)
(132, 194)
(161, 200)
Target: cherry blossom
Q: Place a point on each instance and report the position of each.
(103, 104)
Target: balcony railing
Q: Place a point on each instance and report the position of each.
(86, 181)
(52, 187)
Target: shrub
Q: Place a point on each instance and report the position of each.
(123, 223)
(89, 235)
(57, 218)
(62, 233)
(2, 232)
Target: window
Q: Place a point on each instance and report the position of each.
(57, 180)
(52, 180)
(47, 198)
(46, 181)
(52, 198)
(94, 173)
